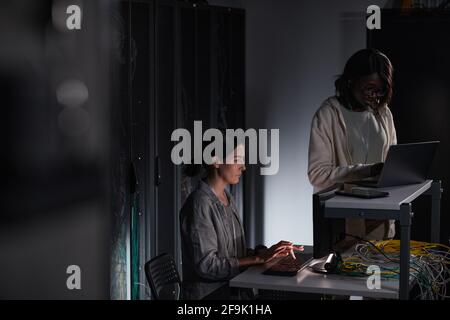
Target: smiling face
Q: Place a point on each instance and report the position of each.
(234, 166)
(369, 90)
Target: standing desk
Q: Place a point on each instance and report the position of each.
(396, 206)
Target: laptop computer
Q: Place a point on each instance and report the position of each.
(407, 163)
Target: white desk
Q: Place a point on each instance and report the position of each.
(310, 282)
(397, 196)
(396, 206)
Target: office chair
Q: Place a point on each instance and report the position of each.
(163, 277)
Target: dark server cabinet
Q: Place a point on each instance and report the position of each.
(212, 73)
(166, 206)
(183, 62)
(417, 43)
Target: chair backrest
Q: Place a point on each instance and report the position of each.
(163, 277)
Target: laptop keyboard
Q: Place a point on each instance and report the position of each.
(288, 266)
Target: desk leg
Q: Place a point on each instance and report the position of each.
(435, 211)
(405, 237)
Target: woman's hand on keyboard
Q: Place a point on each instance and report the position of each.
(281, 249)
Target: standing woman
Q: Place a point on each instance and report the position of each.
(352, 131)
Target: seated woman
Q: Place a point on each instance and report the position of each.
(213, 241)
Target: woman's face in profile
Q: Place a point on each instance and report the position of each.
(232, 170)
(369, 90)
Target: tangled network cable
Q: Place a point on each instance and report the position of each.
(429, 264)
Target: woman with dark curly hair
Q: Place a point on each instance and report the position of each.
(353, 130)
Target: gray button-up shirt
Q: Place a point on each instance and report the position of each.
(212, 240)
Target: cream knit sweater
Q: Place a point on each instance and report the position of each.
(330, 162)
(329, 159)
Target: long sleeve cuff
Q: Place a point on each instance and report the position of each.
(234, 267)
